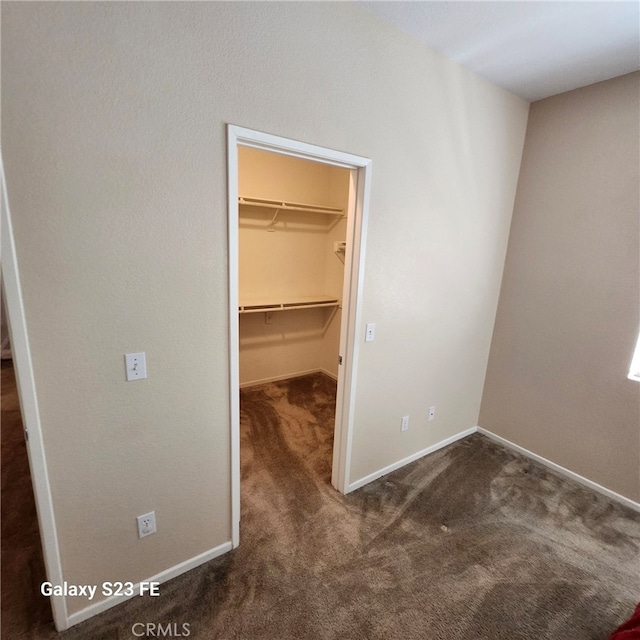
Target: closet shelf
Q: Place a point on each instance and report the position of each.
(282, 205)
(290, 304)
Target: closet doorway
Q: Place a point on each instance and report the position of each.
(297, 223)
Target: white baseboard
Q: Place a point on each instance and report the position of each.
(163, 576)
(412, 458)
(562, 470)
(285, 376)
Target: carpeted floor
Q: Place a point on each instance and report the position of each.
(473, 542)
(22, 562)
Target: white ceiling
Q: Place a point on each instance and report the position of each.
(535, 48)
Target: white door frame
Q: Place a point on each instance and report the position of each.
(354, 273)
(21, 354)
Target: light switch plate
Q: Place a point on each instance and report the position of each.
(370, 333)
(136, 366)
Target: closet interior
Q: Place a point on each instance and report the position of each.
(292, 231)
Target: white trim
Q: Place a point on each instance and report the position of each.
(562, 470)
(163, 576)
(289, 147)
(351, 326)
(412, 458)
(354, 266)
(29, 406)
(234, 339)
(286, 376)
(333, 376)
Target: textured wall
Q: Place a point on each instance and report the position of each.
(569, 307)
(114, 145)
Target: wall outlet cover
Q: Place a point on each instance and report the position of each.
(146, 524)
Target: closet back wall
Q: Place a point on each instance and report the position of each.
(296, 259)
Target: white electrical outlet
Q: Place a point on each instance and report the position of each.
(146, 524)
(404, 424)
(432, 413)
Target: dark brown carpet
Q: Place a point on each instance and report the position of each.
(473, 542)
(22, 562)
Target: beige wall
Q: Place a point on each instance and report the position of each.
(113, 135)
(569, 307)
(296, 259)
(264, 174)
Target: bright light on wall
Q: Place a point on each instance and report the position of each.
(634, 371)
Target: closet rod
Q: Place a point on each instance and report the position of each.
(290, 206)
(287, 307)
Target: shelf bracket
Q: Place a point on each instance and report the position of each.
(271, 226)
